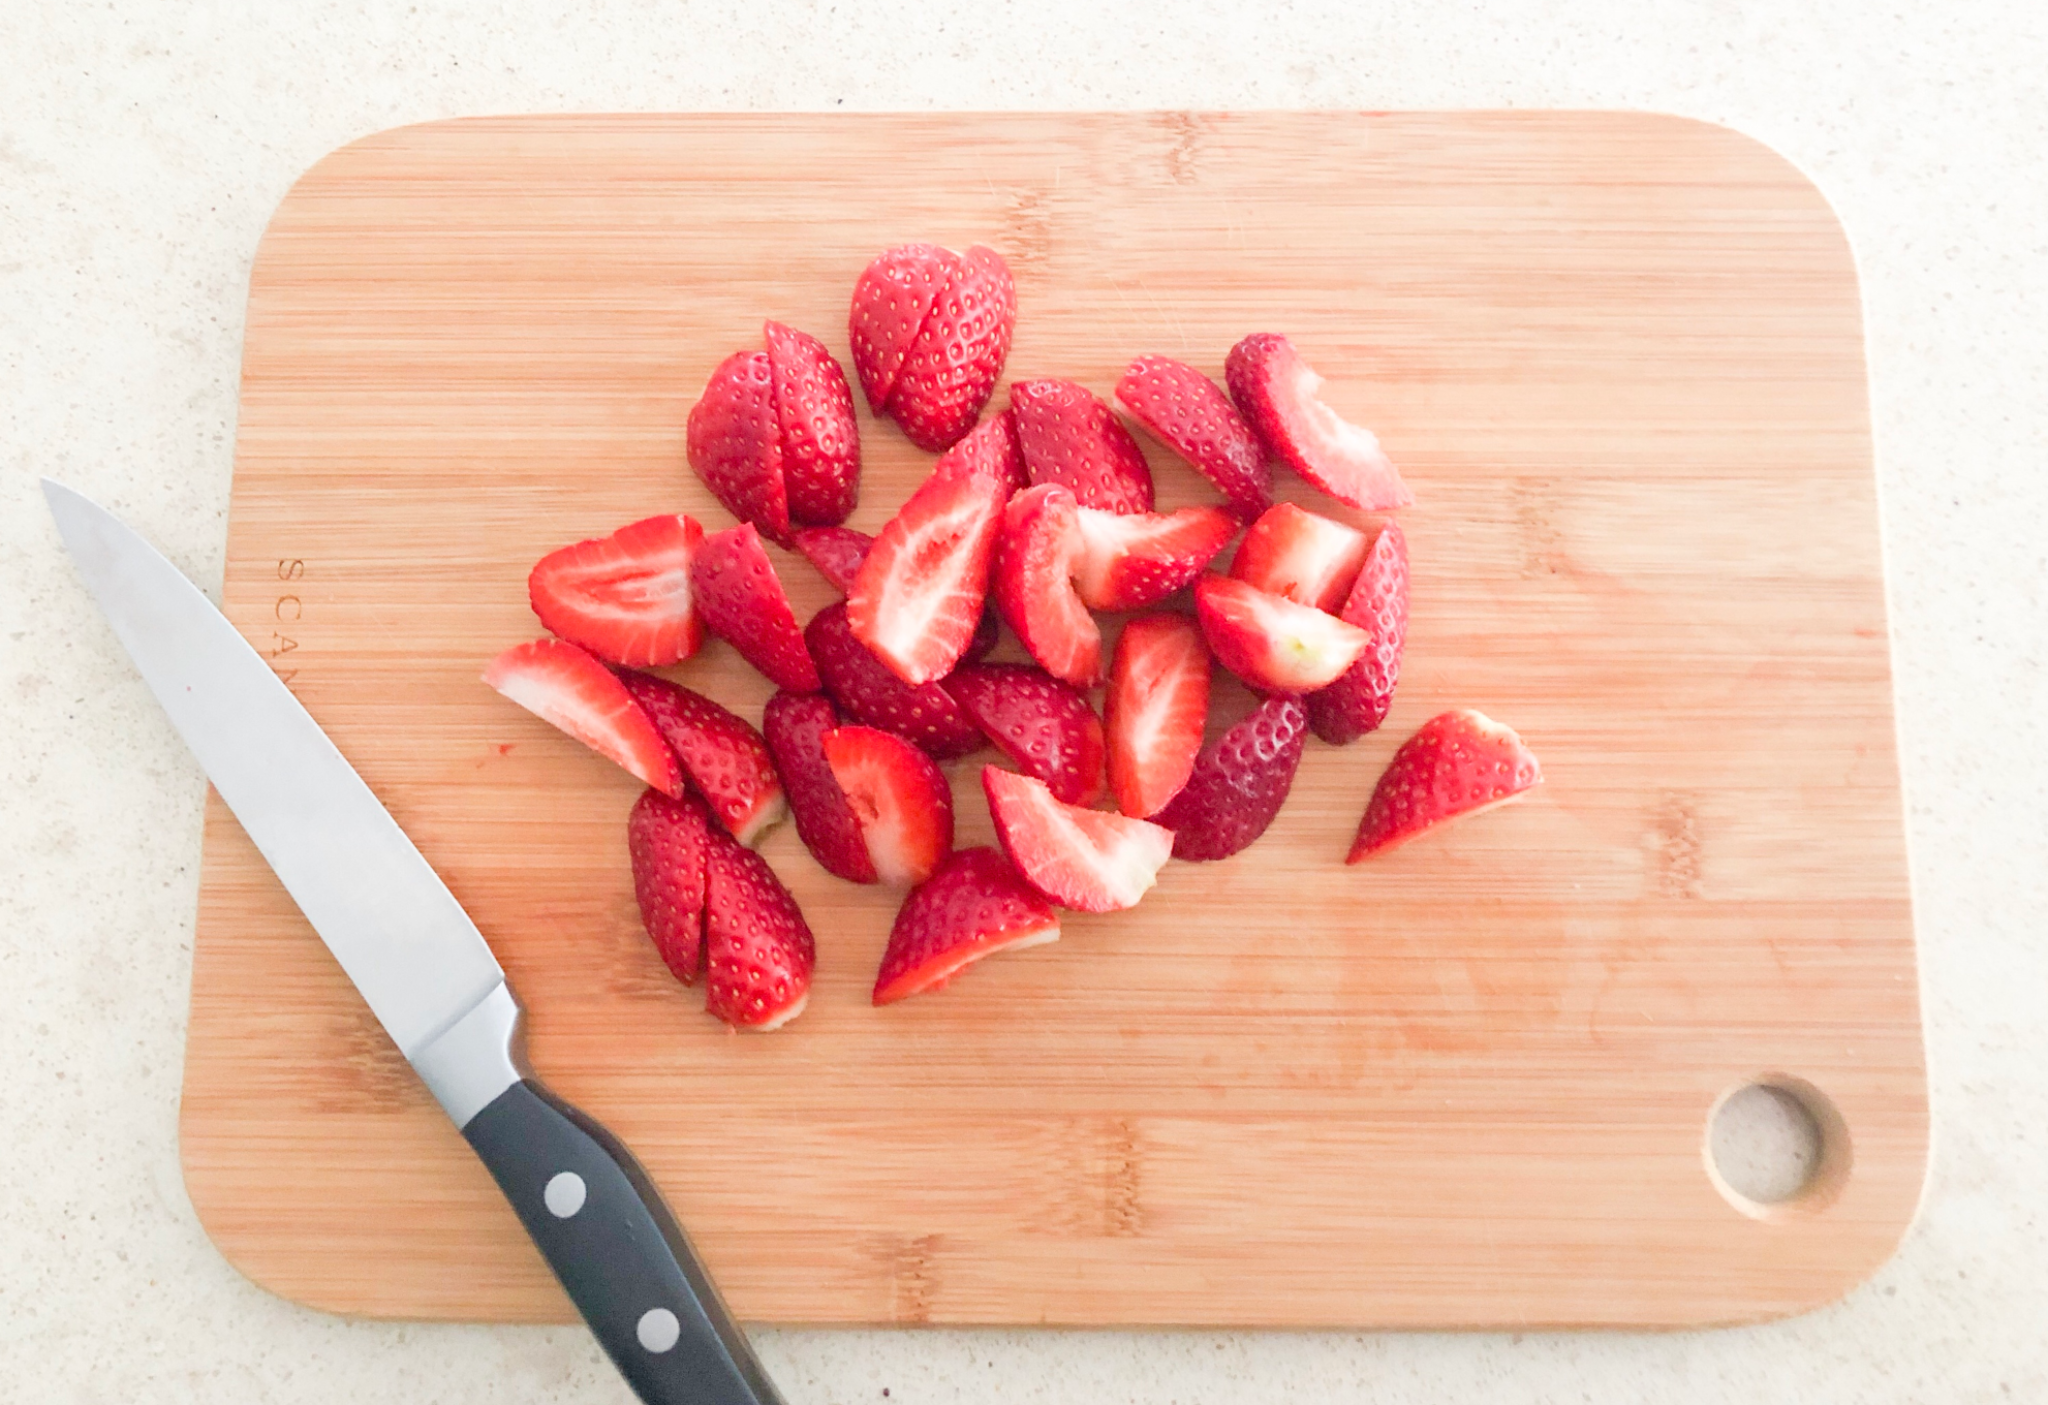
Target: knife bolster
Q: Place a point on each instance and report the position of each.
(470, 1063)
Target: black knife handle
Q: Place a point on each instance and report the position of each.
(605, 1232)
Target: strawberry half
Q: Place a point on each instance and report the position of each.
(1239, 784)
(734, 443)
(917, 598)
(1044, 726)
(758, 951)
(990, 450)
(795, 725)
(952, 366)
(743, 603)
(862, 684)
(891, 300)
(1276, 390)
(1132, 560)
(626, 597)
(564, 686)
(1274, 645)
(1358, 701)
(1301, 556)
(820, 441)
(1035, 561)
(1089, 860)
(1186, 411)
(723, 757)
(974, 906)
(667, 839)
(899, 799)
(1072, 439)
(1459, 763)
(837, 553)
(1154, 712)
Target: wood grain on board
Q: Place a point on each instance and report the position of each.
(1619, 358)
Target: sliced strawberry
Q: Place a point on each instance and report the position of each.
(974, 906)
(1239, 784)
(820, 442)
(1358, 701)
(735, 443)
(758, 951)
(899, 799)
(795, 725)
(667, 839)
(891, 302)
(1135, 559)
(1157, 704)
(1186, 412)
(837, 553)
(1089, 860)
(1072, 439)
(1459, 763)
(990, 449)
(959, 352)
(1301, 556)
(743, 603)
(1043, 725)
(1036, 558)
(626, 597)
(1276, 390)
(987, 635)
(917, 598)
(723, 757)
(862, 684)
(1274, 645)
(562, 685)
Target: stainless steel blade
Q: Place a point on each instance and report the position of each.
(389, 920)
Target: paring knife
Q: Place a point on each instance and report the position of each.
(427, 974)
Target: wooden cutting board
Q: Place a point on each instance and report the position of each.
(1619, 358)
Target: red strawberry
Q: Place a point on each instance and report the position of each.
(1035, 561)
(990, 449)
(735, 443)
(837, 553)
(1132, 560)
(974, 906)
(626, 597)
(743, 603)
(820, 442)
(891, 302)
(1301, 556)
(795, 725)
(1044, 726)
(758, 951)
(1276, 390)
(1358, 701)
(562, 685)
(917, 598)
(1157, 704)
(1088, 860)
(862, 684)
(899, 799)
(667, 838)
(1239, 783)
(1274, 645)
(959, 352)
(1072, 439)
(1459, 763)
(1186, 412)
(723, 757)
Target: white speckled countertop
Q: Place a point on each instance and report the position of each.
(142, 150)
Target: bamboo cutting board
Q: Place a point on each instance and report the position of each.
(1619, 358)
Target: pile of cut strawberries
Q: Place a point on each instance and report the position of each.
(1037, 517)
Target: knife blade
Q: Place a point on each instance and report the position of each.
(425, 971)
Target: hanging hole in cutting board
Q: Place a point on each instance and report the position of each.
(1777, 1147)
